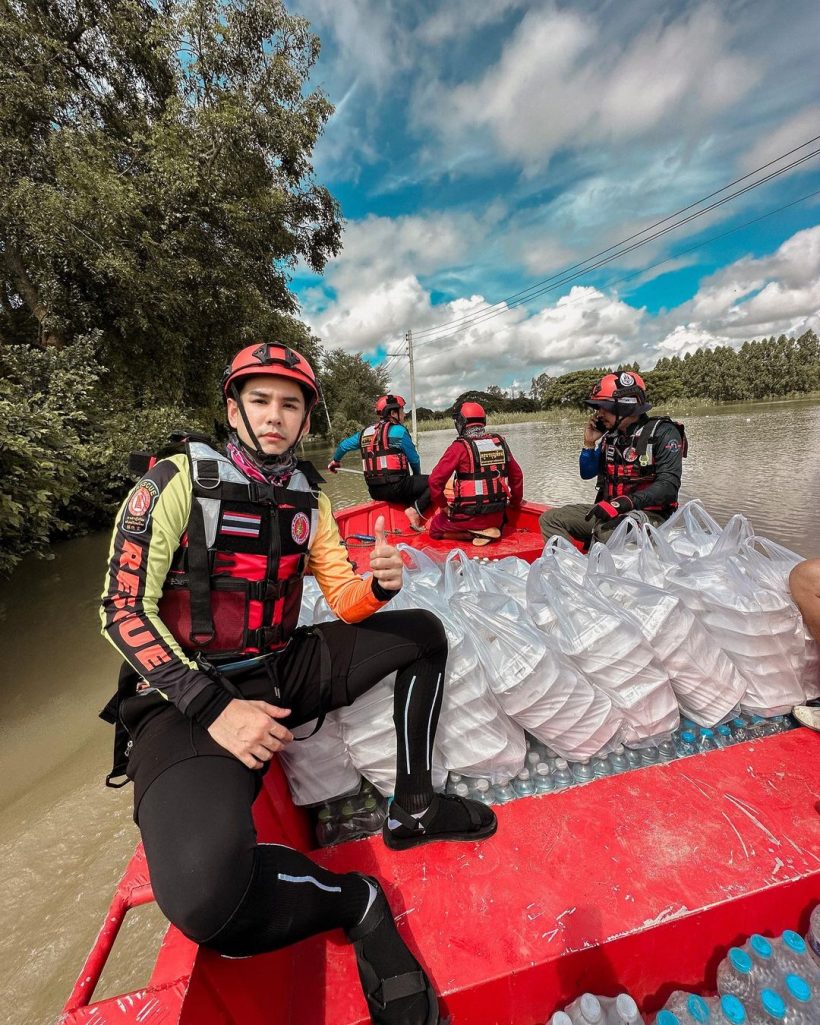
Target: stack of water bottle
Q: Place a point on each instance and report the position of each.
(765, 982)
(544, 772)
(350, 818)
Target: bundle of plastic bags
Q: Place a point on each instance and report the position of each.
(319, 767)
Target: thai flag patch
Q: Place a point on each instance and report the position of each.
(238, 524)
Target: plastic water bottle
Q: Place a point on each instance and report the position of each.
(504, 793)
(723, 736)
(562, 776)
(791, 955)
(544, 783)
(754, 730)
(533, 758)
(523, 784)
(327, 827)
(586, 1010)
(649, 755)
(601, 767)
(803, 1006)
(583, 771)
(813, 935)
(667, 1018)
(560, 1018)
(689, 1007)
(633, 757)
(623, 1011)
(762, 955)
(768, 1009)
(482, 791)
(706, 740)
(618, 759)
(461, 790)
(688, 743)
(739, 731)
(667, 751)
(348, 829)
(370, 816)
(730, 1011)
(453, 781)
(734, 975)
(778, 724)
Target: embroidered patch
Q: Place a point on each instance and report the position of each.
(630, 455)
(300, 528)
(627, 380)
(237, 524)
(137, 513)
(672, 446)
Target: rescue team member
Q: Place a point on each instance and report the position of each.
(202, 599)
(804, 583)
(391, 464)
(637, 459)
(486, 480)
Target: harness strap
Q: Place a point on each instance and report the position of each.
(199, 578)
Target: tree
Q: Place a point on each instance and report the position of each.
(156, 184)
(351, 386)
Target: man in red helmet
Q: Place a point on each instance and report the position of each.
(636, 459)
(486, 479)
(202, 599)
(391, 464)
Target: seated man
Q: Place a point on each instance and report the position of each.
(486, 479)
(202, 599)
(804, 583)
(637, 460)
(388, 457)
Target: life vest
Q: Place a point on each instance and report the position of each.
(382, 462)
(235, 582)
(628, 461)
(484, 487)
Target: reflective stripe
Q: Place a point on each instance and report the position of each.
(406, 710)
(430, 720)
(308, 879)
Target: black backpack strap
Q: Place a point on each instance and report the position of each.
(126, 687)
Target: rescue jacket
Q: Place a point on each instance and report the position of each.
(484, 488)
(382, 462)
(235, 582)
(629, 460)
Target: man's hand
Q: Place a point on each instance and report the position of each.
(605, 511)
(333, 465)
(386, 561)
(591, 432)
(249, 730)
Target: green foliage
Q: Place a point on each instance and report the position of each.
(351, 386)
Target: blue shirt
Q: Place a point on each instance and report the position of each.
(590, 462)
(397, 435)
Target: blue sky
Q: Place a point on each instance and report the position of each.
(482, 146)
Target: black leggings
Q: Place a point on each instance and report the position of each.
(413, 490)
(210, 876)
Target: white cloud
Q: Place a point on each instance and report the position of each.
(803, 126)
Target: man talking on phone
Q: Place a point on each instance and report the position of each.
(637, 461)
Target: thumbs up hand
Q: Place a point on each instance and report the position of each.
(385, 561)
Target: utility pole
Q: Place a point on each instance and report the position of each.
(414, 434)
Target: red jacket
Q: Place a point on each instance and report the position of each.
(457, 457)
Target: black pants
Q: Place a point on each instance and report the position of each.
(409, 491)
(210, 876)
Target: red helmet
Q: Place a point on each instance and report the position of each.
(387, 404)
(273, 358)
(622, 393)
(467, 413)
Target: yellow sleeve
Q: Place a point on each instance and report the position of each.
(349, 596)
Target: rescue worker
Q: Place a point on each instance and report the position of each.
(804, 583)
(391, 464)
(202, 599)
(636, 459)
(486, 479)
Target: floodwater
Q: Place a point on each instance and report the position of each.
(65, 838)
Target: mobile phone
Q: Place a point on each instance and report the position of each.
(599, 425)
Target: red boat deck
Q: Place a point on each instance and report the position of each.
(521, 535)
(638, 882)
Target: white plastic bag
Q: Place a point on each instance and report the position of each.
(319, 768)
(691, 530)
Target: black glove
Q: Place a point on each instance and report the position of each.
(606, 511)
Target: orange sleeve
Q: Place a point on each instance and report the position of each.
(349, 596)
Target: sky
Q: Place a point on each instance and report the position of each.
(484, 148)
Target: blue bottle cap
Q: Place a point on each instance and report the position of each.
(667, 1018)
(755, 719)
(688, 724)
(794, 941)
(706, 732)
(688, 737)
(738, 722)
(761, 946)
(740, 960)
(773, 1003)
(724, 731)
(798, 988)
(733, 1010)
(698, 1008)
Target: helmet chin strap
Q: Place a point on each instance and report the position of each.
(257, 452)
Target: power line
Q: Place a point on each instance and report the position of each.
(487, 313)
(531, 291)
(668, 259)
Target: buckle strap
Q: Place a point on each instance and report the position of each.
(399, 986)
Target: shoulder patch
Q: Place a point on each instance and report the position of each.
(137, 512)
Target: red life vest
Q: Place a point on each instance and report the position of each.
(628, 461)
(235, 583)
(382, 462)
(484, 487)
